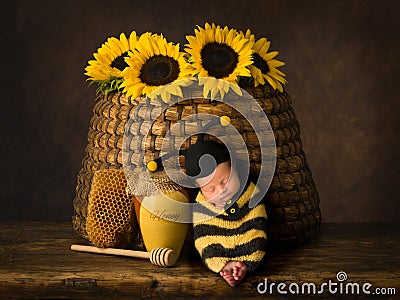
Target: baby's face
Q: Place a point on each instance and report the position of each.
(220, 186)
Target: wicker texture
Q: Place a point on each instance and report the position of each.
(103, 151)
(292, 200)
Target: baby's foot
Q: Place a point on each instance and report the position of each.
(233, 272)
(239, 271)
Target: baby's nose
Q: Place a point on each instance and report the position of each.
(221, 189)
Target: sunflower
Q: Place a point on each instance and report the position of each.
(219, 54)
(264, 67)
(155, 68)
(106, 69)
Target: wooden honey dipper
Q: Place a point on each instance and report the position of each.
(163, 257)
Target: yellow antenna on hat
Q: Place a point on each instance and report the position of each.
(224, 120)
(152, 165)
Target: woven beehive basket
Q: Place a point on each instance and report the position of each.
(292, 200)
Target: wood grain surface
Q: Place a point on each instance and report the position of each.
(36, 263)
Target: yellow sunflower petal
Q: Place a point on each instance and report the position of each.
(270, 55)
(124, 42)
(236, 89)
(114, 46)
(265, 47)
(279, 72)
(132, 40)
(258, 76)
(249, 36)
(275, 63)
(271, 81)
(208, 86)
(277, 77)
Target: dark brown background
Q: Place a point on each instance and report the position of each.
(342, 64)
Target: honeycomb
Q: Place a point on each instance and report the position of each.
(110, 221)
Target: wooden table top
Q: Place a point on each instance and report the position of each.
(37, 263)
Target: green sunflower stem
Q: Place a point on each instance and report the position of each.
(106, 87)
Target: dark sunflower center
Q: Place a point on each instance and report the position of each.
(219, 60)
(260, 63)
(119, 62)
(159, 70)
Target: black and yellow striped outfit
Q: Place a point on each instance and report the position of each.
(239, 233)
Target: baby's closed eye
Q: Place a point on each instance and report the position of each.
(209, 189)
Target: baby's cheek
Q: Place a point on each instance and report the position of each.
(207, 195)
(233, 186)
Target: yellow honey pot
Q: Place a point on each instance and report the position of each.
(160, 217)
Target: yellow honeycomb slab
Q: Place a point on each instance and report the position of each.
(110, 216)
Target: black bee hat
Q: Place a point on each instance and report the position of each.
(202, 158)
